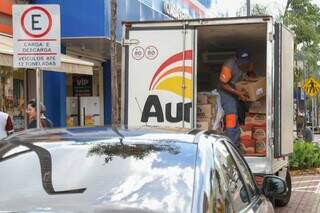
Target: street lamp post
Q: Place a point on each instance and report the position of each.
(248, 7)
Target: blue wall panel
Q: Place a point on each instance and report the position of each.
(135, 10)
(81, 18)
(54, 89)
(107, 92)
(146, 13)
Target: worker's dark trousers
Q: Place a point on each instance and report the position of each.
(230, 106)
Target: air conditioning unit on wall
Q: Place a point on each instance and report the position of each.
(217, 57)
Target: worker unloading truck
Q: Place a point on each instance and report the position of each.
(234, 70)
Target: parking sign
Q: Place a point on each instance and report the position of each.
(36, 36)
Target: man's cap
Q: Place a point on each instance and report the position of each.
(243, 56)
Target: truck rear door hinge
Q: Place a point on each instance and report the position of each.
(271, 37)
(127, 42)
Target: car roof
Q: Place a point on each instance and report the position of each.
(146, 167)
(103, 133)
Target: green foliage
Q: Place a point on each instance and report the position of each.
(259, 10)
(302, 17)
(305, 155)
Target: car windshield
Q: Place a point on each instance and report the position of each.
(153, 173)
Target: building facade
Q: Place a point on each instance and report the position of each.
(18, 86)
(12, 81)
(78, 100)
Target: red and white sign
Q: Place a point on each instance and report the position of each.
(36, 36)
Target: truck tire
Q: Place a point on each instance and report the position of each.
(286, 198)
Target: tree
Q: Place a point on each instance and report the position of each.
(259, 10)
(114, 71)
(302, 17)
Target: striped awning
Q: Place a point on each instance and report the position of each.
(68, 64)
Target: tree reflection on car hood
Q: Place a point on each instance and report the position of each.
(55, 172)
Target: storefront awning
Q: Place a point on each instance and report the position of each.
(68, 64)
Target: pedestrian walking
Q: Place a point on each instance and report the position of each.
(32, 116)
(6, 125)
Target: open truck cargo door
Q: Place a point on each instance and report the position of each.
(283, 91)
(159, 73)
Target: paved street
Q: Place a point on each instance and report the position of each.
(305, 196)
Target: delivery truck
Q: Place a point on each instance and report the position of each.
(166, 65)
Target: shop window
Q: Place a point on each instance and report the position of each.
(83, 99)
(12, 95)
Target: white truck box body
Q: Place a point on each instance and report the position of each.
(171, 63)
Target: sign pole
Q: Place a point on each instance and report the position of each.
(36, 41)
(38, 72)
(313, 115)
(316, 110)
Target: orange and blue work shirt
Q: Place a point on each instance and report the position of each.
(230, 72)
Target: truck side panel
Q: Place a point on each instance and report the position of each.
(283, 102)
(287, 92)
(159, 77)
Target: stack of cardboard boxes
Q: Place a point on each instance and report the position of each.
(253, 132)
(206, 111)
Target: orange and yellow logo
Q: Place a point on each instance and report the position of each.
(173, 74)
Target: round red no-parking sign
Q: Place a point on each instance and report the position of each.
(36, 36)
(36, 22)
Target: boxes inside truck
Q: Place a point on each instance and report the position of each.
(258, 107)
(254, 88)
(216, 44)
(206, 111)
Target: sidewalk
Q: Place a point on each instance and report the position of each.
(316, 138)
(305, 195)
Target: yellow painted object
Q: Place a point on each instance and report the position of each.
(312, 87)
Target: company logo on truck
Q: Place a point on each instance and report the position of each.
(170, 78)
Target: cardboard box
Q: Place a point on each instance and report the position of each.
(202, 99)
(203, 125)
(204, 110)
(248, 142)
(261, 146)
(201, 119)
(246, 133)
(212, 100)
(248, 146)
(259, 107)
(249, 150)
(255, 120)
(206, 99)
(255, 88)
(259, 133)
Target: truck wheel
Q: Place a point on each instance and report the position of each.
(286, 198)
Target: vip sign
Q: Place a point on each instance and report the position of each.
(36, 36)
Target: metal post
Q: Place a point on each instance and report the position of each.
(38, 72)
(313, 115)
(315, 112)
(114, 74)
(248, 7)
(183, 79)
